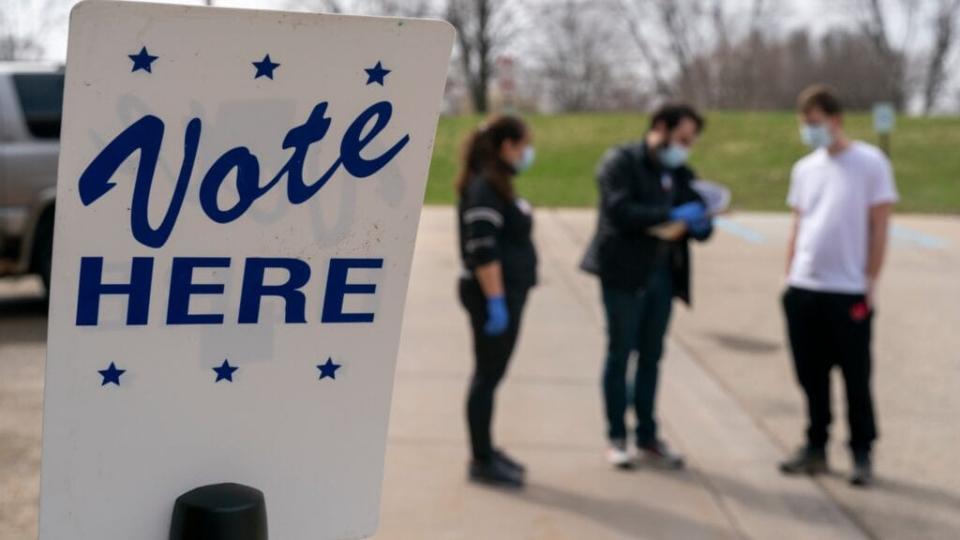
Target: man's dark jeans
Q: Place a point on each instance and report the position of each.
(636, 321)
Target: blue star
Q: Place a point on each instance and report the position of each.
(265, 68)
(376, 74)
(111, 375)
(225, 372)
(328, 369)
(142, 60)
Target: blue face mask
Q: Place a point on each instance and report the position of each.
(526, 160)
(673, 156)
(816, 135)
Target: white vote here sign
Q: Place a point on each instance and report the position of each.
(237, 204)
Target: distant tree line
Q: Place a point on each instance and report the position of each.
(603, 54)
(704, 52)
(575, 55)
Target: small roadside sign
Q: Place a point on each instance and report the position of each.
(884, 118)
(238, 199)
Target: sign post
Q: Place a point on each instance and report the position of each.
(237, 204)
(884, 120)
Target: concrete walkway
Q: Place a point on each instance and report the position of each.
(550, 415)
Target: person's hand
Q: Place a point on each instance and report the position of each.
(700, 229)
(498, 318)
(689, 213)
(871, 293)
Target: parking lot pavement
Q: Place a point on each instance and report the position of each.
(728, 401)
(23, 326)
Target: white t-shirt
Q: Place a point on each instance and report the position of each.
(833, 196)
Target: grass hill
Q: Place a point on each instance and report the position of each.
(751, 152)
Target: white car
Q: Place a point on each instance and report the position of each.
(31, 101)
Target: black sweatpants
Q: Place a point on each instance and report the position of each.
(827, 330)
(491, 356)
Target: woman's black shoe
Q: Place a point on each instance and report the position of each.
(496, 473)
(509, 461)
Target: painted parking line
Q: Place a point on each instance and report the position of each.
(918, 238)
(728, 225)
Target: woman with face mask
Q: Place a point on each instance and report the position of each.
(499, 269)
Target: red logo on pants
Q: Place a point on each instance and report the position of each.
(859, 311)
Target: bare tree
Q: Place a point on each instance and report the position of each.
(738, 72)
(484, 28)
(320, 6)
(14, 47)
(683, 30)
(23, 27)
(874, 20)
(399, 8)
(390, 8)
(912, 70)
(944, 22)
(671, 36)
(573, 56)
(654, 64)
(760, 14)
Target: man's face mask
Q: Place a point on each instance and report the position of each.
(673, 155)
(816, 135)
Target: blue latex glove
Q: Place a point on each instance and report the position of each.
(497, 316)
(689, 213)
(701, 228)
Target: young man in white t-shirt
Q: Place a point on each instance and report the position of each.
(842, 195)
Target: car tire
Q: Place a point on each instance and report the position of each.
(43, 247)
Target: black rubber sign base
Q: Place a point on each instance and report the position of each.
(220, 512)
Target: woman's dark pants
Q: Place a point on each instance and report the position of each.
(491, 357)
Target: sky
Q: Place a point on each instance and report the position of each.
(47, 18)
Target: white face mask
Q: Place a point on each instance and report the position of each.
(816, 135)
(526, 159)
(673, 156)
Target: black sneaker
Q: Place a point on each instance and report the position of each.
(658, 454)
(862, 471)
(502, 456)
(495, 473)
(806, 460)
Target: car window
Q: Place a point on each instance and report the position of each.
(41, 99)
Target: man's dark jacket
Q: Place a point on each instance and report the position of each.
(634, 197)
